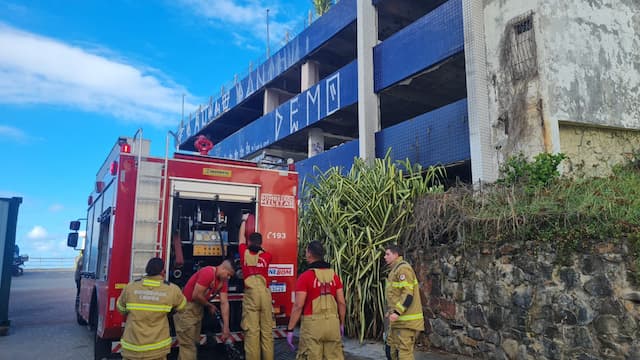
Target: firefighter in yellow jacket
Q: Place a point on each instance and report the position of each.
(404, 308)
(147, 302)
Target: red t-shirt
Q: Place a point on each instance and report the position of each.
(264, 259)
(308, 283)
(207, 278)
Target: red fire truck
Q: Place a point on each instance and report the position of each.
(144, 207)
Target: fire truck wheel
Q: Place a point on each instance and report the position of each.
(79, 318)
(93, 314)
(101, 348)
(17, 271)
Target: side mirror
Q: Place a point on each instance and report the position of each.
(74, 225)
(72, 239)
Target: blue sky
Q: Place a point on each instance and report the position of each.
(77, 74)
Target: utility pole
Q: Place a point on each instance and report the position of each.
(268, 48)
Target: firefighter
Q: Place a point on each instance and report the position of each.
(320, 300)
(203, 285)
(146, 302)
(257, 308)
(404, 308)
(78, 272)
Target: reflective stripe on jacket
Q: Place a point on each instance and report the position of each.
(146, 303)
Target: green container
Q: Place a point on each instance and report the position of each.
(8, 222)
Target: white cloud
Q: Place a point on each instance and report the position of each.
(243, 42)
(56, 208)
(37, 233)
(247, 17)
(13, 133)
(40, 70)
(230, 11)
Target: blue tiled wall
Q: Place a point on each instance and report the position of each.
(431, 39)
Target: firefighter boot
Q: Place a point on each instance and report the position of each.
(401, 342)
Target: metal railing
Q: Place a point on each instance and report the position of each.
(50, 263)
(277, 42)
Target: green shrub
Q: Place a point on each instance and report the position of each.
(355, 216)
(539, 173)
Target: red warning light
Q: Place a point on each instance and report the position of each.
(114, 168)
(125, 148)
(203, 145)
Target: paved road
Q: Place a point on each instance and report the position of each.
(43, 325)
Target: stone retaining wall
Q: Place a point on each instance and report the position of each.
(514, 303)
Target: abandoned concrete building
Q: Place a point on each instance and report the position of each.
(461, 83)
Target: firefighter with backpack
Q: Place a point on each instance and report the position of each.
(319, 300)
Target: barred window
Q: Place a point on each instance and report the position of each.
(522, 58)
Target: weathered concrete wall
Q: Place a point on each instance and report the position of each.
(514, 303)
(591, 60)
(516, 95)
(594, 151)
(578, 62)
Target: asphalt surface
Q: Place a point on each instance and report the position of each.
(43, 322)
(43, 325)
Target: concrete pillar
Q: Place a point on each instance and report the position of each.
(483, 155)
(271, 100)
(368, 102)
(310, 75)
(316, 142)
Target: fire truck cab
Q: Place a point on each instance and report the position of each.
(186, 209)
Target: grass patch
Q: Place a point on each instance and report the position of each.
(568, 214)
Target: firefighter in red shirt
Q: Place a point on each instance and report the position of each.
(257, 308)
(204, 284)
(320, 300)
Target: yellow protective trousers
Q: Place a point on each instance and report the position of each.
(188, 324)
(401, 342)
(257, 320)
(320, 338)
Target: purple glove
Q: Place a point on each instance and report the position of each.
(290, 340)
(341, 330)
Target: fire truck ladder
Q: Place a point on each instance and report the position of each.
(147, 219)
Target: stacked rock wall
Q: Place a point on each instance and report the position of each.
(517, 303)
